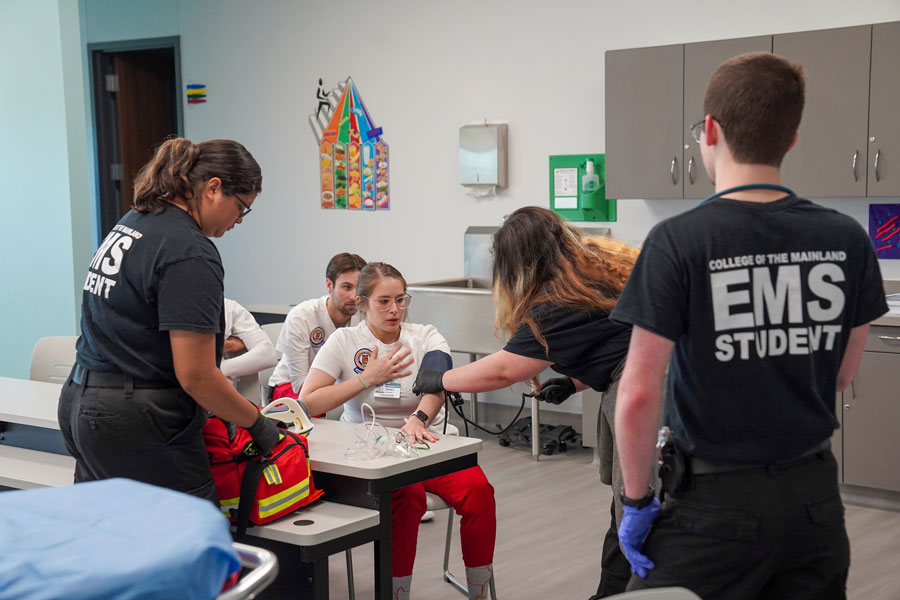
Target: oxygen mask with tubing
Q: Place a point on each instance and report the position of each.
(373, 440)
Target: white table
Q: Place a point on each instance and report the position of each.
(28, 415)
(29, 402)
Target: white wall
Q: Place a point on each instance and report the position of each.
(424, 69)
(36, 233)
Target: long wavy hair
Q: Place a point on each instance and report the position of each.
(540, 259)
(179, 167)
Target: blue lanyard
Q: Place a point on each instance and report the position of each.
(752, 186)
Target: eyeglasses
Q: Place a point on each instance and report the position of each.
(244, 211)
(384, 303)
(697, 128)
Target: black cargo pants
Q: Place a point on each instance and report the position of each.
(149, 435)
(768, 533)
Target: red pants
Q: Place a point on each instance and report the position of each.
(470, 493)
(284, 390)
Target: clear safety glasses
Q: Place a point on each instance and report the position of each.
(384, 303)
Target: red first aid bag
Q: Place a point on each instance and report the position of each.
(253, 488)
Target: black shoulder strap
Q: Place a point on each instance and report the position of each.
(249, 485)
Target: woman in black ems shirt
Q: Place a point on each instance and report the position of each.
(152, 326)
(553, 290)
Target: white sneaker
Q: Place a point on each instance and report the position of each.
(428, 516)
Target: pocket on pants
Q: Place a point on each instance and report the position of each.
(826, 512)
(172, 413)
(716, 522)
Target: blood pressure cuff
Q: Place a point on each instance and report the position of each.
(437, 360)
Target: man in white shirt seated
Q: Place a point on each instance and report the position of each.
(310, 323)
(248, 349)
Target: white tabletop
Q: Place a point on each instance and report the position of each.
(329, 440)
(29, 402)
(271, 309)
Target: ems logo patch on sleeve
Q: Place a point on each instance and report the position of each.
(317, 337)
(361, 359)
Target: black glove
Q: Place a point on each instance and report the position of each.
(265, 433)
(556, 390)
(428, 382)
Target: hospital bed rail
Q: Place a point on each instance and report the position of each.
(264, 570)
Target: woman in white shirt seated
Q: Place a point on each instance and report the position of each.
(376, 362)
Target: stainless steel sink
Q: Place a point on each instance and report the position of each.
(462, 309)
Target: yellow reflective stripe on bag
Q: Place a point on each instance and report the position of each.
(272, 504)
(272, 475)
(229, 503)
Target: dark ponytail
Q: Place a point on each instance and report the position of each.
(180, 167)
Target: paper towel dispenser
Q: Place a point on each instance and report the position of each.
(482, 156)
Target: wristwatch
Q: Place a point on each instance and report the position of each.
(638, 504)
(421, 414)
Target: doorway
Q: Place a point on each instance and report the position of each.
(136, 106)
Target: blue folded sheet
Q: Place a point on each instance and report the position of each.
(113, 539)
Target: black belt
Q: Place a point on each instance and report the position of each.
(699, 466)
(82, 376)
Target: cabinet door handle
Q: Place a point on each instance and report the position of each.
(853, 389)
(855, 156)
(672, 170)
(691, 170)
(889, 337)
(877, 174)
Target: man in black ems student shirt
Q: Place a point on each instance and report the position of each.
(762, 301)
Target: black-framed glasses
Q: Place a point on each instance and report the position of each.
(244, 211)
(384, 303)
(697, 128)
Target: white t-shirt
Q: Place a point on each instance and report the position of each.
(346, 353)
(306, 328)
(260, 352)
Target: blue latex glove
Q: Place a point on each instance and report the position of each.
(635, 525)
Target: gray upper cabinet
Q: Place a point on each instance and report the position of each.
(884, 117)
(643, 122)
(849, 139)
(700, 61)
(831, 152)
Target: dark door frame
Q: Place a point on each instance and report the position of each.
(103, 111)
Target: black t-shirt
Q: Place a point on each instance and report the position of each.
(152, 274)
(583, 344)
(759, 299)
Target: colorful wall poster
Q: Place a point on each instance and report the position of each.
(196, 93)
(353, 155)
(884, 229)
